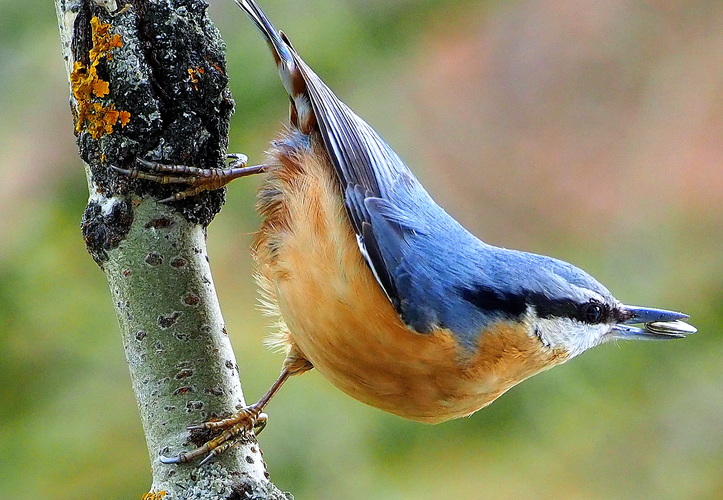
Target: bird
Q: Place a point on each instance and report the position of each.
(382, 291)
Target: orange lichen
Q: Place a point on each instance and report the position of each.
(87, 86)
(103, 41)
(152, 495)
(101, 88)
(104, 118)
(193, 75)
(125, 117)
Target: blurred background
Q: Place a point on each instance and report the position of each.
(589, 130)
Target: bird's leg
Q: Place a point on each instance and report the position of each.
(199, 179)
(249, 419)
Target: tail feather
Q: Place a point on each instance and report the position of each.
(291, 77)
(279, 46)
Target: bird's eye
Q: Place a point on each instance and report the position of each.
(593, 312)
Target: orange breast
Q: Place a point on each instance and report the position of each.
(337, 316)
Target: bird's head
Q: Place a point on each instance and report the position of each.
(568, 309)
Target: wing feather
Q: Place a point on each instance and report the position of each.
(366, 167)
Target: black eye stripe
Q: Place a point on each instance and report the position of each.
(592, 312)
(514, 306)
(510, 305)
(547, 308)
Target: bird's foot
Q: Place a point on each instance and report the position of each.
(249, 420)
(198, 179)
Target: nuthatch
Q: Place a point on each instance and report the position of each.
(384, 293)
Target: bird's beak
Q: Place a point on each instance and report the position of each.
(657, 324)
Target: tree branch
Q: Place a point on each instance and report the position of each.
(148, 80)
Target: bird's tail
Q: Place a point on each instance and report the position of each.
(280, 46)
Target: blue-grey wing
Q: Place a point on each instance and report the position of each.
(373, 180)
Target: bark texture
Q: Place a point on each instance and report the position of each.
(148, 80)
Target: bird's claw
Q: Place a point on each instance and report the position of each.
(247, 421)
(198, 179)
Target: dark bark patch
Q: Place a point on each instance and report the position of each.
(178, 262)
(166, 321)
(214, 391)
(194, 406)
(159, 223)
(154, 259)
(200, 436)
(191, 299)
(104, 230)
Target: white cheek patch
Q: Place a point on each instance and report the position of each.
(571, 335)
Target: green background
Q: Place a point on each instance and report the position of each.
(586, 130)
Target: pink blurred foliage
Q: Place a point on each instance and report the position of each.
(549, 117)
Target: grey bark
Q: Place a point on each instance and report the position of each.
(182, 366)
